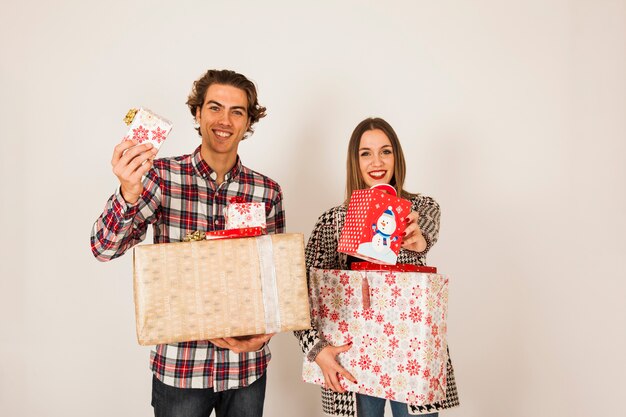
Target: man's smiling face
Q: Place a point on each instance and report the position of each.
(223, 119)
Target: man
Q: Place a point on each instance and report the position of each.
(180, 195)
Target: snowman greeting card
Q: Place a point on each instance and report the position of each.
(373, 228)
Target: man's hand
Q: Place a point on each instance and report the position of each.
(331, 369)
(413, 238)
(130, 163)
(243, 344)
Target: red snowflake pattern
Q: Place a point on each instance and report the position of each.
(400, 368)
(365, 362)
(390, 278)
(376, 369)
(415, 344)
(413, 367)
(385, 380)
(368, 314)
(394, 343)
(334, 316)
(349, 291)
(323, 311)
(326, 291)
(417, 292)
(242, 208)
(313, 313)
(411, 397)
(380, 318)
(389, 329)
(429, 320)
(344, 279)
(140, 134)
(396, 292)
(434, 330)
(356, 314)
(416, 314)
(342, 326)
(403, 316)
(158, 134)
(433, 383)
(390, 394)
(426, 373)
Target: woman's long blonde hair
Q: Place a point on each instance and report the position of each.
(354, 180)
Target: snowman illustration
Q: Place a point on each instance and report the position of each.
(383, 229)
(380, 246)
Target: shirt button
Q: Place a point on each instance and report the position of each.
(217, 222)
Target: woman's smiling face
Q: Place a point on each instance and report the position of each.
(376, 161)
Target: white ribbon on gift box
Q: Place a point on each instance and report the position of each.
(268, 283)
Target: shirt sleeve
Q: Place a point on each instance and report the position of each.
(122, 225)
(275, 221)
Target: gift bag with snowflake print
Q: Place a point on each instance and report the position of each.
(396, 322)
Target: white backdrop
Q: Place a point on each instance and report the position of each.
(512, 115)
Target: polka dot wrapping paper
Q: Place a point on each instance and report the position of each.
(374, 226)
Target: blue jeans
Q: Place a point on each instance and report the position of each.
(170, 401)
(375, 407)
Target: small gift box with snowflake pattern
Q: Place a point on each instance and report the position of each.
(146, 126)
(240, 214)
(396, 322)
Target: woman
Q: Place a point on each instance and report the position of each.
(374, 157)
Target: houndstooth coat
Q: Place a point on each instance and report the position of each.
(321, 252)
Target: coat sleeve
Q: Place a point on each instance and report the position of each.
(428, 222)
(321, 252)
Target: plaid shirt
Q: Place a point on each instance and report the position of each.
(180, 196)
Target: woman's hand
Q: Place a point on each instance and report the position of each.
(331, 369)
(413, 238)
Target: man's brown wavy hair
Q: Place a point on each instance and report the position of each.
(226, 77)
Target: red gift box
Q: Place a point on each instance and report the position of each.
(374, 226)
(369, 266)
(235, 233)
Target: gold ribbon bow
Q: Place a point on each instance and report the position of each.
(128, 119)
(194, 237)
